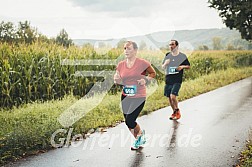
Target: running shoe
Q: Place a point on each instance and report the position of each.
(177, 115)
(172, 116)
(135, 145)
(142, 139)
(139, 142)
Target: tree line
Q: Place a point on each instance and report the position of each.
(25, 33)
(217, 44)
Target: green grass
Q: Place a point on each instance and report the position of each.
(27, 129)
(245, 159)
(36, 72)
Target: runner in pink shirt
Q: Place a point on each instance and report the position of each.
(131, 73)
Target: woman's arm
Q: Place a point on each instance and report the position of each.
(117, 78)
(151, 72)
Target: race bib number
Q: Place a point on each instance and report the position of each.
(130, 90)
(173, 70)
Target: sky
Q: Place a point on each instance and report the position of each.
(106, 19)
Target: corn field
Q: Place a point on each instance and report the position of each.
(35, 72)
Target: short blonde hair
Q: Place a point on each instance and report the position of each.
(128, 43)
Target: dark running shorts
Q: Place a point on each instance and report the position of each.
(172, 89)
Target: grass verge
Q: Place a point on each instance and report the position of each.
(26, 130)
(245, 159)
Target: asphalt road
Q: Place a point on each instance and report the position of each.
(211, 132)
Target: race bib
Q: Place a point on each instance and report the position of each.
(173, 70)
(129, 90)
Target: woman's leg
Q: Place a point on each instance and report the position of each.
(132, 108)
(137, 131)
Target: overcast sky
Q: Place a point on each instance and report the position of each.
(103, 19)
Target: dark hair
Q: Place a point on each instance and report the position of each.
(176, 42)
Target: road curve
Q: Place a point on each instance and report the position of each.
(211, 132)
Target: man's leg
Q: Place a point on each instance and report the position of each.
(167, 93)
(176, 112)
(173, 98)
(174, 101)
(171, 103)
(173, 106)
(171, 92)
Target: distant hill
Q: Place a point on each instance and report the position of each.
(187, 38)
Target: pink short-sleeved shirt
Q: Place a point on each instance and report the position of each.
(131, 75)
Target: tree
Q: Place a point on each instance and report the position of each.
(216, 43)
(164, 48)
(63, 39)
(142, 45)
(8, 32)
(23, 33)
(230, 47)
(43, 39)
(26, 33)
(101, 45)
(203, 47)
(88, 45)
(239, 48)
(121, 43)
(235, 14)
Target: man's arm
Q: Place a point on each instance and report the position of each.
(183, 67)
(166, 60)
(165, 64)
